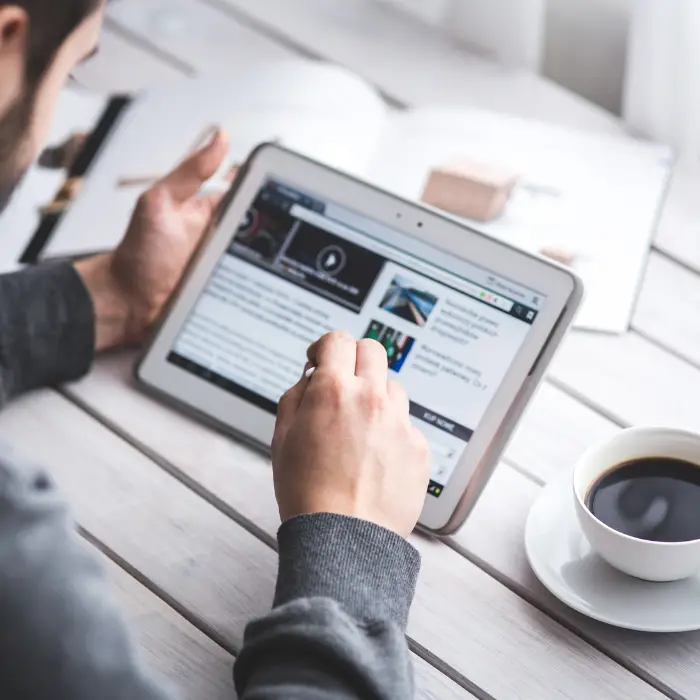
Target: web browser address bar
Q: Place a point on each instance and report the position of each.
(322, 222)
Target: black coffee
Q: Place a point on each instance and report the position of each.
(655, 498)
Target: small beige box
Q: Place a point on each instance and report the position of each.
(470, 189)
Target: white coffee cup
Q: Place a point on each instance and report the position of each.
(653, 561)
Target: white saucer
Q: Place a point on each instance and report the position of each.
(562, 559)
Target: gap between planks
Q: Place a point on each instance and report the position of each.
(170, 648)
(169, 600)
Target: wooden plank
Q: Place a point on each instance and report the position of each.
(544, 660)
(678, 235)
(217, 571)
(435, 685)
(669, 307)
(240, 479)
(119, 66)
(631, 380)
(627, 377)
(202, 37)
(411, 62)
(553, 433)
(176, 650)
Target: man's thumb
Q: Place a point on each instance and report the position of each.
(184, 182)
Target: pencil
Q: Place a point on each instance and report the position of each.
(141, 181)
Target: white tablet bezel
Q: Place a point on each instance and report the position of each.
(448, 241)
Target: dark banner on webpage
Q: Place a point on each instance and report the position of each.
(306, 255)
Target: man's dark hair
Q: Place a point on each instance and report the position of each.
(50, 24)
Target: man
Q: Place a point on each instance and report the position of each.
(350, 470)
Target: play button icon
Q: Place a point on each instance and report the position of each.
(331, 260)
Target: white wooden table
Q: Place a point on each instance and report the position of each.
(186, 518)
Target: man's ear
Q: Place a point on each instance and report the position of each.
(14, 29)
(14, 26)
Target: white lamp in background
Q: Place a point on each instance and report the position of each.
(662, 88)
(511, 31)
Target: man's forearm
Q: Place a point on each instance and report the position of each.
(47, 333)
(337, 631)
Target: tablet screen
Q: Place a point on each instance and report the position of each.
(299, 267)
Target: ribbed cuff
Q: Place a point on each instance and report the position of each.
(48, 328)
(370, 571)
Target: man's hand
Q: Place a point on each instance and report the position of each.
(130, 286)
(344, 442)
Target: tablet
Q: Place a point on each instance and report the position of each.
(469, 324)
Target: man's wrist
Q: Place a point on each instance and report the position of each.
(116, 322)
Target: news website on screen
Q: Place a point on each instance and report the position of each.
(299, 267)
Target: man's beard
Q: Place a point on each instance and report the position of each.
(14, 130)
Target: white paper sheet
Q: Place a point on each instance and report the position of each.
(320, 110)
(596, 196)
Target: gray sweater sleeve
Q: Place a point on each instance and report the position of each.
(47, 329)
(337, 629)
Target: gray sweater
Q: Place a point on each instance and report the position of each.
(344, 586)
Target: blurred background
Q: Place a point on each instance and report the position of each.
(636, 58)
(580, 44)
(395, 90)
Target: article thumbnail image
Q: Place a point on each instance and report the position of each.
(397, 345)
(262, 233)
(407, 302)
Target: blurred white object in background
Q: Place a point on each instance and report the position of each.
(662, 89)
(509, 31)
(430, 11)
